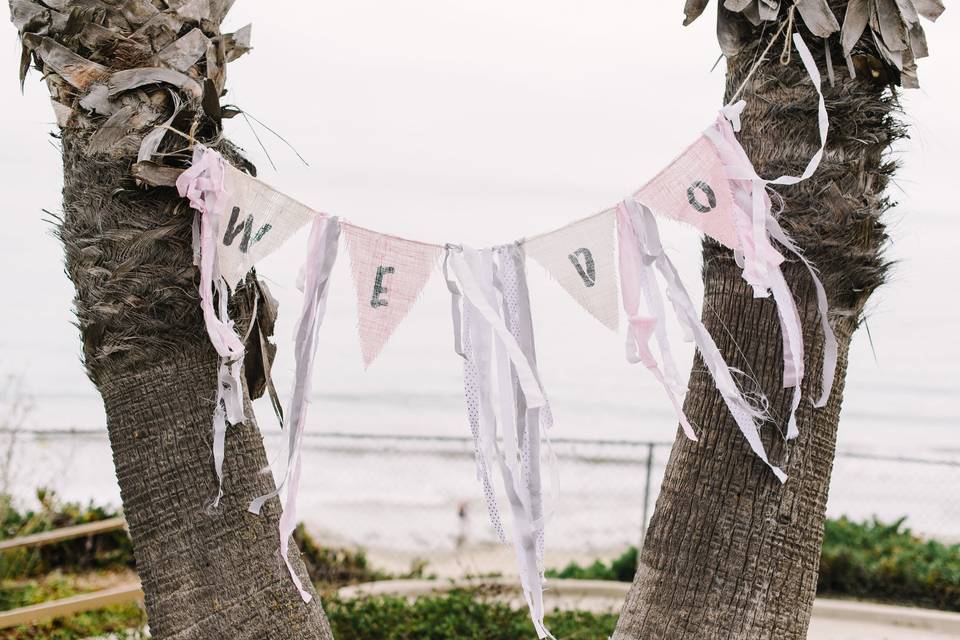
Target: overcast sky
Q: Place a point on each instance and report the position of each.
(478, 122)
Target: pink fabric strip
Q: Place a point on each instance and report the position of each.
(203, 185)
(641, 328)
(760, 260)
(647, 239)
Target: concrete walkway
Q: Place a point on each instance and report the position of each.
(830, 629)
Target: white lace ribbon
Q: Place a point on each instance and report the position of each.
(507, 408)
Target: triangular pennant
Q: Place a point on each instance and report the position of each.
(694, 189)
(580, 258)
(255, 220)
(389, 273)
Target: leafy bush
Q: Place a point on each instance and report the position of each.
(103, 551)
(330, 568)
(460, 615)
(888, 562)
(620, 569)
(870, 560)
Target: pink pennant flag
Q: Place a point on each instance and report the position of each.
(389, 273)
(694, 189)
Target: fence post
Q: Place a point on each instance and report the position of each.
(646, 496)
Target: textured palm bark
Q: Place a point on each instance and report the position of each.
(730, 553)
(120, 76)
(206, 574)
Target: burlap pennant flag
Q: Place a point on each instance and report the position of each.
(389, 274)
(580, 258)
(255, 220)
(694, 189)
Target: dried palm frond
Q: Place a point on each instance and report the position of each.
(118, 70)
(894, 28)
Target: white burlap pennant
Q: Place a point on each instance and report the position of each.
(580, 258)
(255, 220)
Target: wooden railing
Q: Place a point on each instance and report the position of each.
(122, 594)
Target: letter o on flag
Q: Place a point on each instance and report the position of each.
(702, 186)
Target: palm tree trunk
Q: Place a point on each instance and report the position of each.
(730, 553)
(128, 250)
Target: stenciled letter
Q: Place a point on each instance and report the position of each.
(376, 300)
(589, 276)
(707, 191)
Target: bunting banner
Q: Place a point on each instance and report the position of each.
(580, 258)
(389, 274)
(711, 186)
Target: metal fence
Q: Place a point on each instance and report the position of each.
(418, 495)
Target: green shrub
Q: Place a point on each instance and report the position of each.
(460, 615)
(870, 560)
(330, 568)
(878, 561)
(620, 569)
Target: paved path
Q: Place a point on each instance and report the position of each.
(831, 629)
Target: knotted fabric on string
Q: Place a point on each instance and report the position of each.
(321, 256)
(759, 258)
(507, 409)
(641, 252)
(203, 185)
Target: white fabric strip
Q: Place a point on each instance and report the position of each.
(321, 256)
(507, 409)
(463, 345)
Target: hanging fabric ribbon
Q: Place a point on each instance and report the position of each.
(321, 256)
(641, 252)
(757, 256)
(203, 185)
(508, 411)
(636, 284)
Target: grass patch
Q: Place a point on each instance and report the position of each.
(117, 619)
